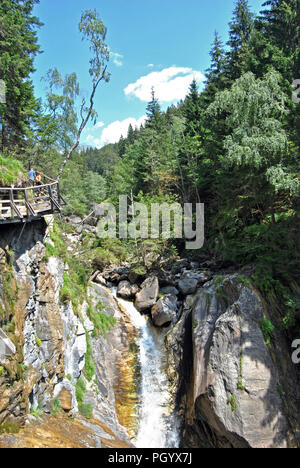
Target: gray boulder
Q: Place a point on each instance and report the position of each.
(164, 311)
(169, 290)
(148, 295)
(187, 285)
(235, 382)
(125, 290)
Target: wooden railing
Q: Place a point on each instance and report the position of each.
(21, 204)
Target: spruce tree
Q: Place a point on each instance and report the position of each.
(18, 47)
(215, 78)
(192, 111)
(153, 112)
(130, 135)
(240, 30)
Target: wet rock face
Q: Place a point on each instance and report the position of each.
(231, 398)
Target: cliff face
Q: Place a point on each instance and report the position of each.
(237, 386)
(60, 363)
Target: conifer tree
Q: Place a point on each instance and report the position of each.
(153, 112)
(215, 77)
(192, 111)
(130, 134)
(18, 47)
(240, 29)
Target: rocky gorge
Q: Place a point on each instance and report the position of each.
(74, 379)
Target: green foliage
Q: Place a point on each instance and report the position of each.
(86, 409)
(89, 366)
(267, 328)
(232, 402)
(80, 390)
(12, 171)
(56, 407)
(240, 385)
(245, 281)
(37, 411)
(292, 308)
(102, 323)
(18, 47)
(10, 428)
(103, 258)
(38, 342)
(240, 29)
(10, 290)
(108, 251)
(75, 279)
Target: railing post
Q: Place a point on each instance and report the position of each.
(11, 198)
(28, 206)
(58, 193)
(50, 196)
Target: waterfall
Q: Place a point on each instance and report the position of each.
(157, 427)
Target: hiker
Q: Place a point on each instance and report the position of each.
(31, 174)
(38, 181)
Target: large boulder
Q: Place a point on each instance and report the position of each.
(148, 295)
(164, 311)
(235, 384)
(169, 290)
(187, 286)
(126, 290)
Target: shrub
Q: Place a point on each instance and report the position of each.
(11, 171)
(232, 402)
(267, 328)
(86, 409)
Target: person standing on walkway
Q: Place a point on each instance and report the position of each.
(38, 181)
(31, 174)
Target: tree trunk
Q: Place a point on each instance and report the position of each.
(84, 121)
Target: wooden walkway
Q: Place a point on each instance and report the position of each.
(20, 205)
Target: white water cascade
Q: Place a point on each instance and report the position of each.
(157, 427)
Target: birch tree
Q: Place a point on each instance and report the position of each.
(94, 31)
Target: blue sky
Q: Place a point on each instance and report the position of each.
(160, 43)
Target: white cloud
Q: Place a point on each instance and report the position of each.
(169, 84)
(95, 127)
(150, 65)
(98, 125)
(112, 133)
(117, 59)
